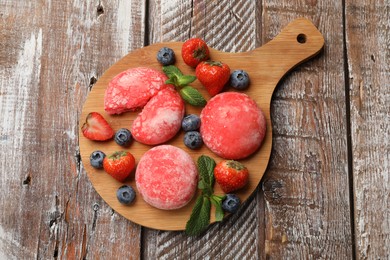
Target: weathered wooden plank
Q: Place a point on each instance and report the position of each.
(53, 53)
(20, 69)
(231, 27)
(306, 189)
(368, 52)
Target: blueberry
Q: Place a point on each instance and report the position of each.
(166, 56)
(193, 139)
(96, 159)
(190, 123)
(231, 203)
(125, 194)
(123, 137)
(239, 79)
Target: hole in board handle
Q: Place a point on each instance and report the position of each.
(301, 38)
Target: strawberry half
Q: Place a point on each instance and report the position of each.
(96, 128)
(119, 165)
(194, 51)
(231, 175)
(213, 75)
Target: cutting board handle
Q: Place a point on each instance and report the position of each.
(299, 41)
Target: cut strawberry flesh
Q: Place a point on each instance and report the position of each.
(96, 128)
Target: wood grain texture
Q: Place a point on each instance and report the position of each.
(53, 52)
(307, 207)
(368, 52)
(221, 240)
(265, 65)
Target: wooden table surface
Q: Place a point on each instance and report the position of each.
(326, 191)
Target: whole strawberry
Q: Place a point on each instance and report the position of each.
(194, 51)
(119, 165)
(96, 128)
(231, 175)
(213, 75)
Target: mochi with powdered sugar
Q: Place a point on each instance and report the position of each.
(160, 119)
(166, 177)
(132, 89)
(232, 125)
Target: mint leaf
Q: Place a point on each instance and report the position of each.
(202, 185)
(219, 214)
(200, 216)
(172, 71)
(206, 167)
(180, 81)
(185, 80)
(192, 96)
(217, 202)
(172, 81)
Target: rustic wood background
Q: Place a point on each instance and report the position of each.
(326, 193)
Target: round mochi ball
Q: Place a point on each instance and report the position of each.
(166, 177)
(232, 125)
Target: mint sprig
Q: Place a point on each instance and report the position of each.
(217, 202)
(172, 71)
(192, 96)
(180, 81)
(206, 167)
(200, 216)
(184, 80)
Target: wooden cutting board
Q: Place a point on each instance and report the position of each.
(266, 65)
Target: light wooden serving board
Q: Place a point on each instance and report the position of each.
(266, 65)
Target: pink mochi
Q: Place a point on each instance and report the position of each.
(160, 119)
(132, 89)
(232, 125)
(166, 177)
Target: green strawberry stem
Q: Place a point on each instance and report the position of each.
(235, 165)
(214, 63)
(117, 155)
(200, 53)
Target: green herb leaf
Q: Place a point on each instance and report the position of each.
(172, 71)
(202, 185)
(185, 80)
(192, 96)
(219, 214)
(180, 81)
(217, 202)
(206, 167)
(172, 81)
(200, 216)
